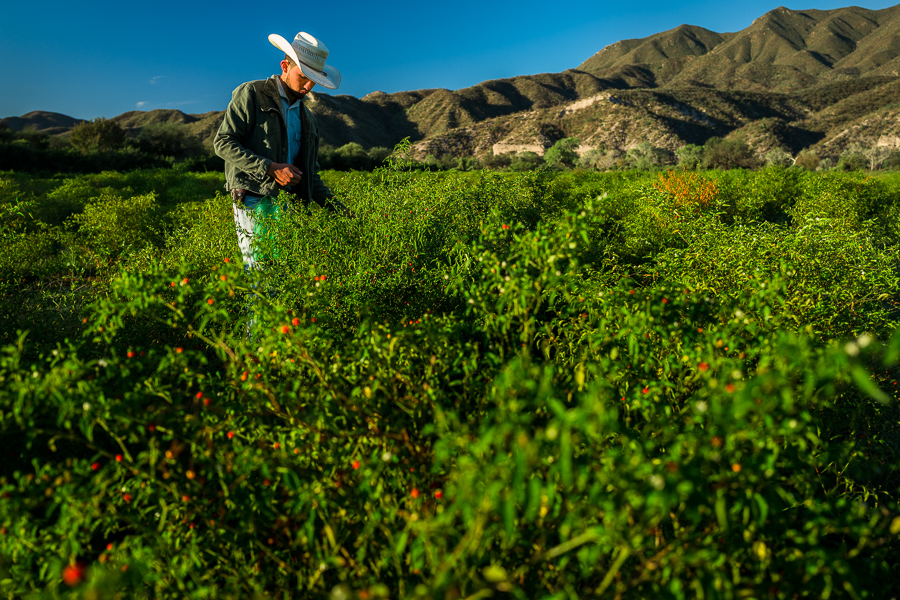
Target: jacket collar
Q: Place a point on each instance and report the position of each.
(272, 89)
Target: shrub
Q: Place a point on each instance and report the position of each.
(646, 156)
(111, 225)
(591, 431)
(808, 160)
(635, 380)
(498, 161)
(562, 155)
(851, 159)
(526, 161)
(32, 138)
(350, 157)
(97, 135)
(378, 155)
(721, 153)
(168, 140)
(893, 161)
(689, 156)
(779, 157)
(687, 190)
(593, 159)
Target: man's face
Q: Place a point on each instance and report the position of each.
(294, 79)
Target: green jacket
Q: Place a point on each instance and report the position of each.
(254, 135)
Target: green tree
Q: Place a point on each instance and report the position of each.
(593, 159)
(445, 162)
(779, 157)
(808, 160)
(526, 161)
(377, 154)
(689, 156)
(646, 156)
(893, 161)
(563, 154)
(34, 138)
(351, 157)
(168, 140)
(498, 161)
(466, 163)
(852, 159)
(98, 135)
(719, 153)
(875, 155)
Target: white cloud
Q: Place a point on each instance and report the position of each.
(155, 80)
(147, 105)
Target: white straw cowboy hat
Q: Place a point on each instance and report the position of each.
(310, 55)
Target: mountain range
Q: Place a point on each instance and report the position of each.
(795, 79)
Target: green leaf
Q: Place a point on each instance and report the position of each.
(509, 514)
(721, 512)
(494, 574)
(892, 356)
(763, 508)
(865, 383)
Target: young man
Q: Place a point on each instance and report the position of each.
(270, 142)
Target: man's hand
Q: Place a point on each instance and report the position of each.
(284, 174)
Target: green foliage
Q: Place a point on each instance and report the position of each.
(98, 146)
(563, 154)
(851, 159)
(167, 140)
(352, 157)
(808, 160)
(540, 384)
(719, 153)
(779, 157)
(689, 156)
(28, 137)
(451, 163)
(52, 160)
(526, 161)
(112, 224)
(646, 156)
(97, 135)
(874, 155)
(498, 161)
(378, 154)
(892, 162)
(593, 159)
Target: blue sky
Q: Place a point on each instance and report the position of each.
(93, 59)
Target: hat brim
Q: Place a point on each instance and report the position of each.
(329, 77)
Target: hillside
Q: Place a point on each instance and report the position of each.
(784, 50)
(793, 78)
(47, 122)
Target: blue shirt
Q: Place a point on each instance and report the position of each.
(291, 114)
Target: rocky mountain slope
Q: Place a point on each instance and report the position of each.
(818, 79)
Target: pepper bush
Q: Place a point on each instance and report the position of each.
(480, 386)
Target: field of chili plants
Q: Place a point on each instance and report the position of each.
(624, 385)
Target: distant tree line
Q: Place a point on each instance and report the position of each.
(716, 153)
(102, 144)
(352, 157)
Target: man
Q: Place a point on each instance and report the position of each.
(270, 142)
